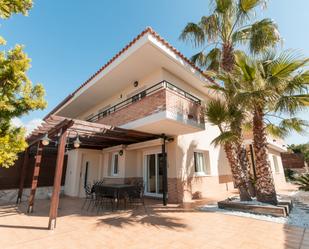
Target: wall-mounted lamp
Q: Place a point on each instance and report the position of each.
(120, 152)
(135, 84)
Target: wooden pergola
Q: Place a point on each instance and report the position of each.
(63, 132)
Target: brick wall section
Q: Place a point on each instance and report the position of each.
(148, 105)
(159, 101)
(292, 160)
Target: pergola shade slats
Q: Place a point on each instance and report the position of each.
(98, 136)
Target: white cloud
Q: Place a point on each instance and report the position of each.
(29, 126)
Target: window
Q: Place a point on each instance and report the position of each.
(276, 165)
(200, 165)
(115, 164)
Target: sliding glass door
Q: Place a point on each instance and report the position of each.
(153, 175)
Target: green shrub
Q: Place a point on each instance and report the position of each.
(289, 174)
(303, 182)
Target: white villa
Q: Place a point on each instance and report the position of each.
(151, 87)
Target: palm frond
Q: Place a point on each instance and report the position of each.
(303, 182)
(211, 60)
(225, 137)
(247, 5)
(294, 124)
(194, 33)
(291, 103)
(216, 112)
(210, 27)
(264, 34)
(223, 6)
(276, 130)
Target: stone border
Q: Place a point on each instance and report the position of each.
(281, 210)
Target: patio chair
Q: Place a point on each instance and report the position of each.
(89, 196)
(104, 196)
(136, 194)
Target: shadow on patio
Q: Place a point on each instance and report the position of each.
(154, 214)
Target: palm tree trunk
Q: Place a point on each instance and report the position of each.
(242, 155)
(265, 188)
(243, 159)
(238, 175)
(228, 59)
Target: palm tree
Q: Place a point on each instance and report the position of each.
(219, 34)
(228, 115)
(227, 27)
(273, 89)
(225, 117)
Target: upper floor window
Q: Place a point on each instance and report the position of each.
(115, 164)
(201, 165)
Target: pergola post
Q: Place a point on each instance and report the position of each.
(35, 177)
(57, 181)
(164, 164)
(23, 175)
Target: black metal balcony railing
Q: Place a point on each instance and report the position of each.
(161, 85)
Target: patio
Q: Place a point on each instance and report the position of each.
(171, 226)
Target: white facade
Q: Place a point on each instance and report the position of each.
(149, 61)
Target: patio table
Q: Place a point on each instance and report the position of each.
(119, 189)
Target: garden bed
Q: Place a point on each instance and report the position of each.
(281, 210)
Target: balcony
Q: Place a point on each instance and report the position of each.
(162, 108)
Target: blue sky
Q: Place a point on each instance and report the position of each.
(69, 40)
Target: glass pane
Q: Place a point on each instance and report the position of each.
(276, 164)
(151, 173)
(199, 162)
(116, 164)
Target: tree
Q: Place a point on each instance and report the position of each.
(227, 27)
(17, 94)
(227, 119)
(272, 88)
(301, 148)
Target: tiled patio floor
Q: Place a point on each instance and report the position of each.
(155, 227)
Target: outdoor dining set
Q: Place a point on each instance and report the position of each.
(102, 196)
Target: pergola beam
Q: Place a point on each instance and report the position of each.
(35, 177)
(57, 181)
(23, 175)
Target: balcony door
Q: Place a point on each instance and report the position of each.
(153, 174)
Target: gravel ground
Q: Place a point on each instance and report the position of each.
(299, 215)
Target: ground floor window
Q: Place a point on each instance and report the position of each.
(201, 163)
(276, 165)
(115, 164)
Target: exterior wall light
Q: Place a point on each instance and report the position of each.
(135, 84)
(120, 152)
(45, 140)
(77, 142)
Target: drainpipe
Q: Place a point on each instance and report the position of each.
(164, 164)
